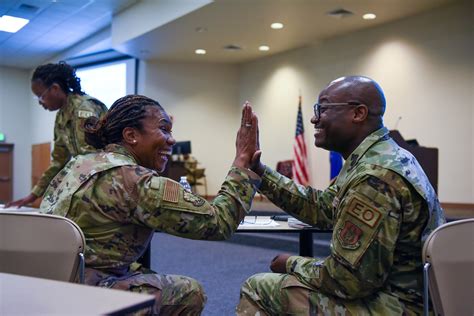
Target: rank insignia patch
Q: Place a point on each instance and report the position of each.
(349, 236)
(193, 199)
(364, 212)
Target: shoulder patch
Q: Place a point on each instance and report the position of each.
(155, 183)
(85, 114)
(171, 192)
(349, 235)
(364, 212)
(193, 199)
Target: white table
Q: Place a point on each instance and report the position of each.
(20, 209)
(22, 295)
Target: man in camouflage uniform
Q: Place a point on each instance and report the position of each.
(119, 204)
(381, 208)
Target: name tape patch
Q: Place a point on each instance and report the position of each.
(364, 212)
(85, 114)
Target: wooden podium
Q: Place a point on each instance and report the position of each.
(174, 170)
(426, 156)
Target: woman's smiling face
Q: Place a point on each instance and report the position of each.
(154, 142)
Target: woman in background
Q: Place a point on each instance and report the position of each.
(57, 88)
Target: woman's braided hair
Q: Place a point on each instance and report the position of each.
(62, 74)
(128, 111)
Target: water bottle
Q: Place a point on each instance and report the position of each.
(184, 183)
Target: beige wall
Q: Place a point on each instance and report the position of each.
(423, 63)
(15, 122)
(203, 99)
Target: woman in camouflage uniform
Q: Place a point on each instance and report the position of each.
(118, 199)
(58, 88)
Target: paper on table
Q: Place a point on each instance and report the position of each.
(295, 223)
(252, 221)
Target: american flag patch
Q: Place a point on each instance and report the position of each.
(171, 193)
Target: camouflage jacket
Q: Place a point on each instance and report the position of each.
(119, 204)
(69, 139)
(381, 207)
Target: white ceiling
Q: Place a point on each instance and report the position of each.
(61, 24)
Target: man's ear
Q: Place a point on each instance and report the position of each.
(360, 113)
(130, 135)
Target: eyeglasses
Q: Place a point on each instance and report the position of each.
(317, 107)
(40, 98)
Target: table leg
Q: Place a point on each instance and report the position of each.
(306, 244)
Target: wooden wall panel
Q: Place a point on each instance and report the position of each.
(40, 161)
(6, 172)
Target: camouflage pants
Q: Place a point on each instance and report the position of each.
(283, 294)
(174, 294)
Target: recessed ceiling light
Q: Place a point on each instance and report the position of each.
(200, 51)
(264, 48)
(12, 24)
(369, 16)
(276, 25)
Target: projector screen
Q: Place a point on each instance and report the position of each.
(108, 81)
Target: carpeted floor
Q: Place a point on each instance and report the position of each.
(222, 266)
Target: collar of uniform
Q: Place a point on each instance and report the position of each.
(67, 108)
(361, 150)
(72, 98)
(119, 149)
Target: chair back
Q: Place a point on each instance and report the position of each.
(448, 254)
(41, 245)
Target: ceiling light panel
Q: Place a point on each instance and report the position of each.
(12, 24)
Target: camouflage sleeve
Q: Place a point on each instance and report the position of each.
(164, 205)
(363, 242)
(89, 107)
(305, 203)
(59, 157)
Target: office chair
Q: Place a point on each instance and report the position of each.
(448, 271)
(41, 245)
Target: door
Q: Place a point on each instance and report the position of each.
(40, 161)
(6, 173)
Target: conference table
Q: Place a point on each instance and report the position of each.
(24, 295)
(266, 224)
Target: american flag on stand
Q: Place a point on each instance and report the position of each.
(300, 159)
